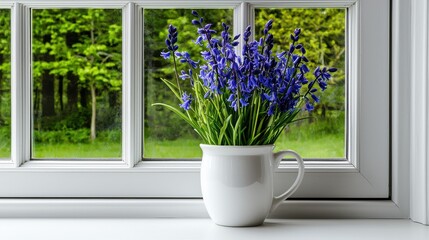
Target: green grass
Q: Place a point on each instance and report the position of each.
(319, 139)
(4, 144)
(323, 138)
(326, 146)
(4, 150)
(179, 148)
(97, 149)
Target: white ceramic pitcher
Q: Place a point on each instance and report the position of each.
(237, 183)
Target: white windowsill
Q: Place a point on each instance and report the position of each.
(201, 229)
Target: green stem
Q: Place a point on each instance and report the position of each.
(176, 74)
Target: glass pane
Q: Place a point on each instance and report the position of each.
(322, 132)
(165, 134)
(5, 100)
(77, 83)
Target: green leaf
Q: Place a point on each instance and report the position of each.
(223, 129)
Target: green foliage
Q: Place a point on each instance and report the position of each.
(63, 136)
(72, 136)
(74, 121)
(5, 96)
(219, 124)
(5, 139)
(82, 44)
(87, 42)
(113, 136)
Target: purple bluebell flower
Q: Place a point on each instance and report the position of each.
(271, 109)
(268, 27)
(243, 102)
(322, 84)
(172, 38)
(315, 98)
(165, 55)
(184, 75)
(195, 13)
(309, 107)
(278, 79)
(196, 22)
(247, 33)
(186, 58)
(199, 40)
(304, 69)
(187, 100)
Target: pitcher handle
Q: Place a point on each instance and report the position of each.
(277, 157)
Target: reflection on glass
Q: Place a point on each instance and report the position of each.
(77, 83)
(321, 134)
(165, 134)
(5, 100)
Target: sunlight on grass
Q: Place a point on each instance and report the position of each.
(324, 138)
(179, 148)
(4, 150)
(326, 146)
(98, 149)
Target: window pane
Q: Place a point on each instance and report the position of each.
(320, 135)
(165, 134)
(77, 83)
(322, 132)
(5, 100)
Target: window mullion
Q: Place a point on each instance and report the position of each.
(353, 87)
(132, 84)
(21, 84)
(243, 17)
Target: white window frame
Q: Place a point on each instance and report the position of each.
(132, 178)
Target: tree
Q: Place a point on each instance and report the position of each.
(99, 63)
(84, 49)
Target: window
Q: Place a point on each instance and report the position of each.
(5, 100)
(360, 170)
(77, 81)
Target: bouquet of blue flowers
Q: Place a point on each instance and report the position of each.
(242, 98)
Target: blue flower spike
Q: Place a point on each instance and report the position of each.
(276, 78)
